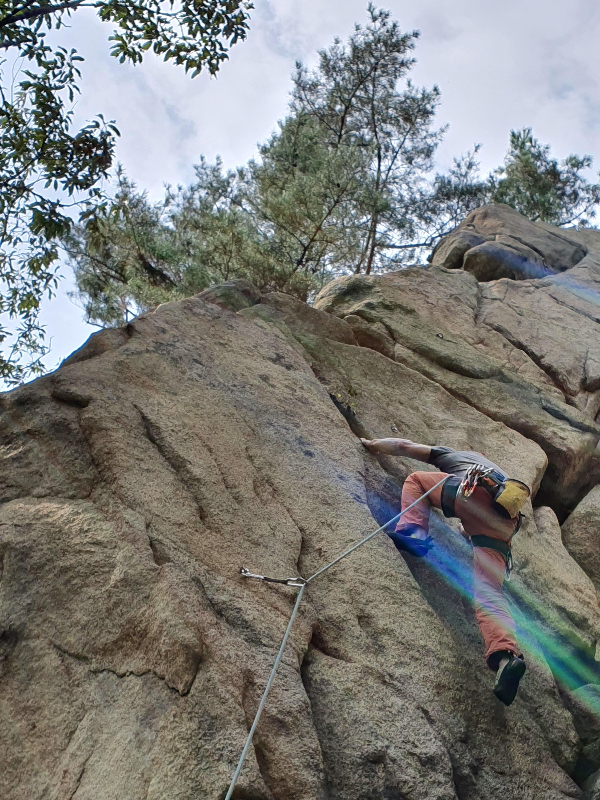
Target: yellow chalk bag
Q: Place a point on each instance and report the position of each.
(513, 496)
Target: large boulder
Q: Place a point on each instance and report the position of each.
(581, 534)
(138, 480)
(497, 242)
(554, 320)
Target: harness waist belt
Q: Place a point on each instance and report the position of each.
(509, 495)
(449, 492)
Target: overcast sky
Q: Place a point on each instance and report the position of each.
(498, 65)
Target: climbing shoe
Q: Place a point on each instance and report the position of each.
(507, 679)
(407, 543)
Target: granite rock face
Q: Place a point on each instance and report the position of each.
(219, 432)
(581, 534)
(523, 352)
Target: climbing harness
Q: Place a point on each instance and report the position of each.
(512, 492)
(302, 583)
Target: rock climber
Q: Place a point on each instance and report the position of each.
(488, 504)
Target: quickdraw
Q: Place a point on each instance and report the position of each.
(509, 564)
(473, 478)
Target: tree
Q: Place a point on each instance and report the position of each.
(131, 255)
(304, 194)
(372, 119)
(345, 184)
(49, 172)
(130, 259)
(541, 188)
(336, 185)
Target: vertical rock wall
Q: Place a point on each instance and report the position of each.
(219, 432)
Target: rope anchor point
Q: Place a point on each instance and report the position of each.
(298, 582)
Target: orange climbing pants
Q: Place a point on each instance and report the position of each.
(479, 517)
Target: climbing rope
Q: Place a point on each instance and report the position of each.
(302, 584)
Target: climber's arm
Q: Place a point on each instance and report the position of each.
(398, 447)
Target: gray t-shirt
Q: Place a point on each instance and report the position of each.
(457, 462)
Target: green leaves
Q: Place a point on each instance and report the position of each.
(540, 187)
(346, 184)
(333, 187)
(49, 173)
(195, 34)
(374, 141)
(41, 163)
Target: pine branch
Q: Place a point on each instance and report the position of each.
(41, 11)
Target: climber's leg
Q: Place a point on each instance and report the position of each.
(480, 518)
(496, 623)
(416, 485)
(412, 529)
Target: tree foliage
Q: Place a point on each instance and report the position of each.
(341, 182)
(50, 171)
(541, 188)
(370, 116)
(136, 251)
(345, 184)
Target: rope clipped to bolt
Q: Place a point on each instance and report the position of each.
(302, 583)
